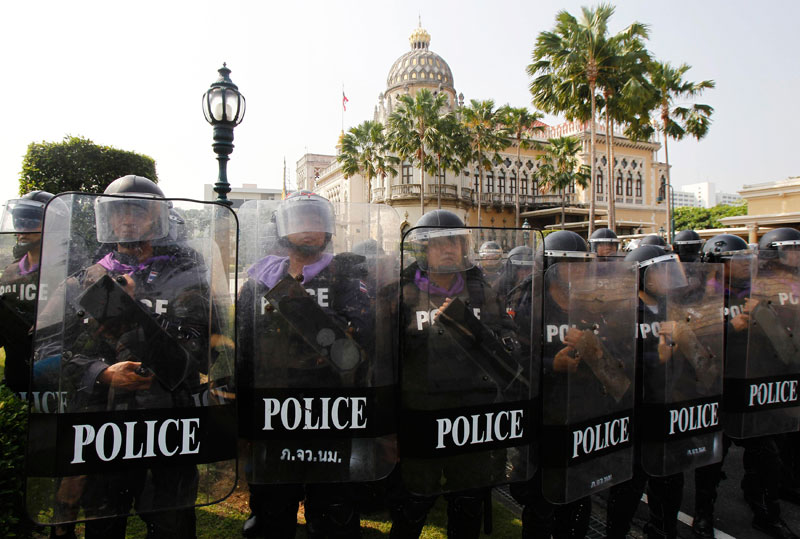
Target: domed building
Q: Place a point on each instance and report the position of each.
(637, 177)
(418, 68)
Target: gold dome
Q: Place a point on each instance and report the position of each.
(420, 38)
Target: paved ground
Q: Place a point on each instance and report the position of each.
(732, 514)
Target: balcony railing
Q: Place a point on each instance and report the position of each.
(448, 191)
(466, 193)
(405, 190)
(378, 194)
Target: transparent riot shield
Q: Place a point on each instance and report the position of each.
(19, 276)
(682, 333)
(134, 336)
(762, 373)
(315, 339)
(589, 317)
(468, 367)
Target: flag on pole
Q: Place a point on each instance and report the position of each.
(344, 101)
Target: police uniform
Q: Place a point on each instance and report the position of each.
(435, 377)
(334, 282)
(171, 285)
(18, 289)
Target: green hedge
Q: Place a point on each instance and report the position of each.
(13, 420)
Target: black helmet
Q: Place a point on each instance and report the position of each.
(25, 214)
(304, 211)
(780, 237)
(565, 244)
(654, 239)
(723, 246)
(604, 236)
(670, 275)
(521, 256)
(441, 226)
(645, 255)
(142, 199)
(687, 244)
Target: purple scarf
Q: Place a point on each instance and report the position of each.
(425, 285)
(23, 262)
(271, 269)
(112, 264)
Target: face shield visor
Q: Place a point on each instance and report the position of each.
(491, 259)
(128, 220)
(306, 215)
(605, 246)
(446, 250)
(22, 216)
(662, 274)
(689, 250)
(788, 252)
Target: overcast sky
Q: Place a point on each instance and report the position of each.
(131, 75)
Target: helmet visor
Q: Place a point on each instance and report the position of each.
(124, 219)
(307, 215)
(22, 216)
(446, 250)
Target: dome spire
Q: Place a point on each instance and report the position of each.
(420, 38)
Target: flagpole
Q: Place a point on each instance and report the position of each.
(343, 107)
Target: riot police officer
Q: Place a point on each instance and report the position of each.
(660, 368)
(490, 259)
(778, 262)
(516, 269)
(118, 369)
(442, 371)
(604, 242)
(540, 517)
(688, 245)
(18, 283)
(273, 353)
(720, 249)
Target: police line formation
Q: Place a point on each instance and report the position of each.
(333, 360)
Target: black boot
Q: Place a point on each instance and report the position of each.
(464, 516)
(703, 525)
(774, 527)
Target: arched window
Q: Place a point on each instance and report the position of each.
(523, 186)
(501, 181)
(618, 185)
(513, 182)
(490, 182)
(638, 185)
(599, 183)
(629, 186)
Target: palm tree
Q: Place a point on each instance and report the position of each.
(412, 127)
(623, 84)
(560, 167)
(486, 138)
(678, 121)
(570, 63)
(365, 152)
(449, 145)
(520, 123)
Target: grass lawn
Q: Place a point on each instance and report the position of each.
(226, 518)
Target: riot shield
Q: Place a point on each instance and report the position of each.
(135, 338)
(469, 373)
(762, 372)
(315, 341)
(682, 334)
(587, 377)
(19, 276)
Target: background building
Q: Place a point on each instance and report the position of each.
(769, 205)
(706, 195)
(638, 176)
(239, 195)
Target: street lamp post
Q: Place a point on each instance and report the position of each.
(223, 107)
(526, 227)
(660, 198)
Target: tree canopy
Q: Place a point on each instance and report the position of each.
(78, 164)
(689, 218)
